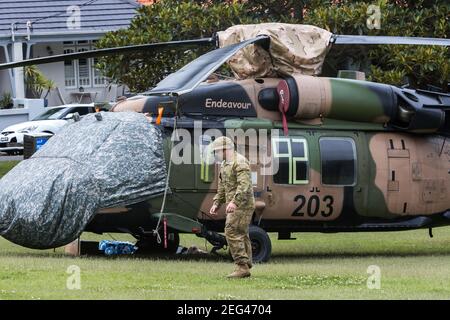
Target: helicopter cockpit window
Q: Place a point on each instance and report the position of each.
(292, 157)
(338, 161)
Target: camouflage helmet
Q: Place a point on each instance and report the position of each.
(222, 143)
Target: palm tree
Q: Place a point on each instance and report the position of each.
(36, 82)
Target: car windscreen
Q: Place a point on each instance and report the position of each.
(51, 114)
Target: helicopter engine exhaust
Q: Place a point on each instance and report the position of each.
(304, 97)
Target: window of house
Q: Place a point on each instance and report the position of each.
(338, 161)
(292, 157)
(82, 72)
(69, 71)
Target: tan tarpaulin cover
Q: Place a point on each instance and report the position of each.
(294, 48)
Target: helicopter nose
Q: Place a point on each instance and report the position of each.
(47, 200)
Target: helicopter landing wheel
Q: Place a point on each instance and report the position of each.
(261, 244)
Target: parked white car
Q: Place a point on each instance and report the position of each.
(51, 121)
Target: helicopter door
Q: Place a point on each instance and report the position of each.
(182, 176)
(314, 171)
(252, 148)
(399, 175)
(287, 186)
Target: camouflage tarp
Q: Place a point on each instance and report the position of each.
(47, 200)
(294, 48)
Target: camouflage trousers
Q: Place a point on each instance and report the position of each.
(236, 232)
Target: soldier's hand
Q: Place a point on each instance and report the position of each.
(231, 207)
(213, 210)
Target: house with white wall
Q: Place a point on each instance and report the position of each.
(38, 28)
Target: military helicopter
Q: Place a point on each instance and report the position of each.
(352, 155)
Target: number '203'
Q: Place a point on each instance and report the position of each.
(313, 206)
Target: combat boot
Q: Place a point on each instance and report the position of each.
(236, 270)
(241, 271)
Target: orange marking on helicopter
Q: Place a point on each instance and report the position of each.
(160, 113)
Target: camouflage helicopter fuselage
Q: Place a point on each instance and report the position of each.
(388, 171)
(344, 155)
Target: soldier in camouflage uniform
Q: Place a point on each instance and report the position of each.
(235, 188)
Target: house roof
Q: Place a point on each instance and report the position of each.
(49, 18)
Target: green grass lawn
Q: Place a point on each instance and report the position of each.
(5, 166)
(315, 266)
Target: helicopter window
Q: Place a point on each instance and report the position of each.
(338, 161)
(282, 147)
(298, 148)
(284, 169)
(299, 161)
(282, 152)
(292, 157)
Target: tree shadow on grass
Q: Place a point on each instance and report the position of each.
(223, 256)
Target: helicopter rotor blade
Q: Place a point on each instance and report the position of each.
(105, 52)
(191, 75)
(370, 40)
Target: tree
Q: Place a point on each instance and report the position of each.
(165, 20)
(168, 20)
(36, 83)
(418, 66)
